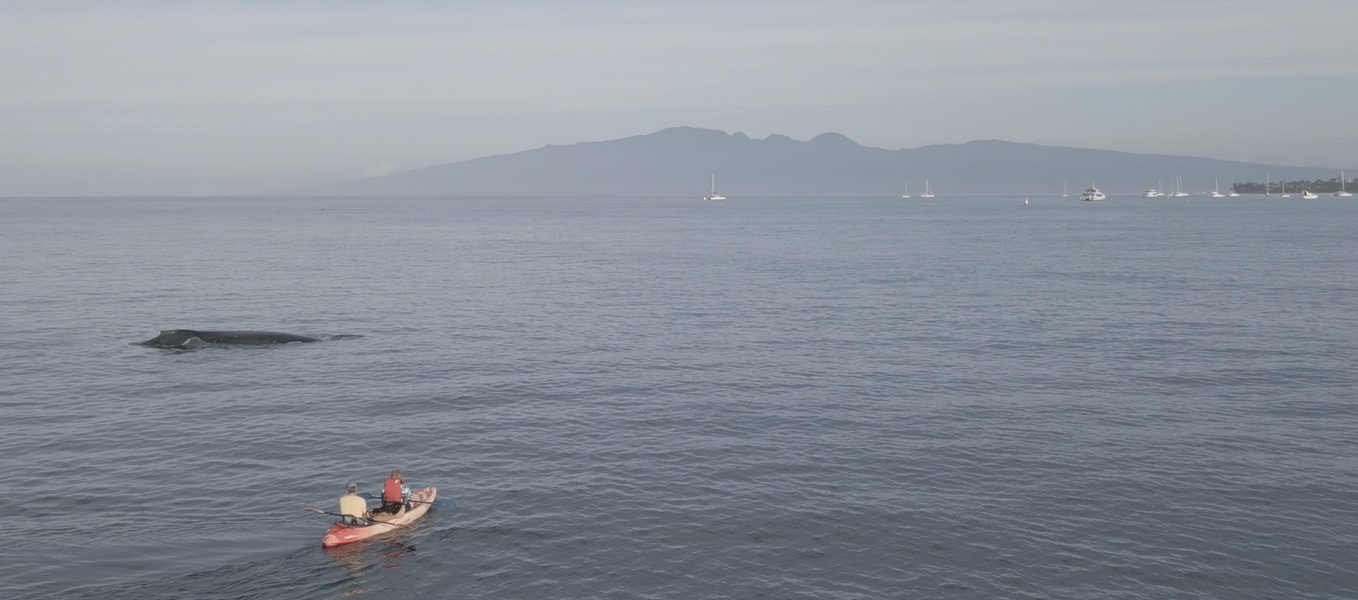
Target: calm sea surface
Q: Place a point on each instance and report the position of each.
(669, 398)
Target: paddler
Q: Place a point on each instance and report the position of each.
(353, 508)
(395, 494)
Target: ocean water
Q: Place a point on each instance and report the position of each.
(670, 398)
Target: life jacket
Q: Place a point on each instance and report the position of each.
(391, 490)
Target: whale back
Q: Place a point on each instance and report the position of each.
(171, 338)
(184, 338)
(253, 338)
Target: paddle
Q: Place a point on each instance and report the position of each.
(324, 512)
(438, 503)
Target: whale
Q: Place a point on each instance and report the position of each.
(188, 338)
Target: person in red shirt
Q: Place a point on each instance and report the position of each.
(395, 494)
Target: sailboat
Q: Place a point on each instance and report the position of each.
(1179, 187)
(1064, 194)
(1233, 193)
(1342, 192)
(1216, 188)
(1284, 193)
(1268, 183)
(907, 190)
(927, 193)
(713, 195)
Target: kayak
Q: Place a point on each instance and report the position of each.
(340, 533)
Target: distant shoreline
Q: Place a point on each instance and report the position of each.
(1318, 186)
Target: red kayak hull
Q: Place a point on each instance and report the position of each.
(348, 534)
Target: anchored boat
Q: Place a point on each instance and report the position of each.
(713, 195)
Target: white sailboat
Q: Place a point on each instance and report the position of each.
(1233, 193)
(1179, 187)
(1284, 193)
(713, 195)
(1342, 192)
(1268, 183)
(1216, 188)
(907, 190)
(1063, 190)
(927, 192)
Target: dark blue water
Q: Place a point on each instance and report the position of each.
(670, 398)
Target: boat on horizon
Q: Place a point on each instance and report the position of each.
(1092, 194)
(927, 192)
(712, 194)
(1309, 195)
(1152, 192)
(1342, 192)
(1216, 188)
(1179, 187)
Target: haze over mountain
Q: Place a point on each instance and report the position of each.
(679, 161)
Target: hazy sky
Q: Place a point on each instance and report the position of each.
(186, 97)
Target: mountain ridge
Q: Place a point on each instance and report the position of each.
(678, 161)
